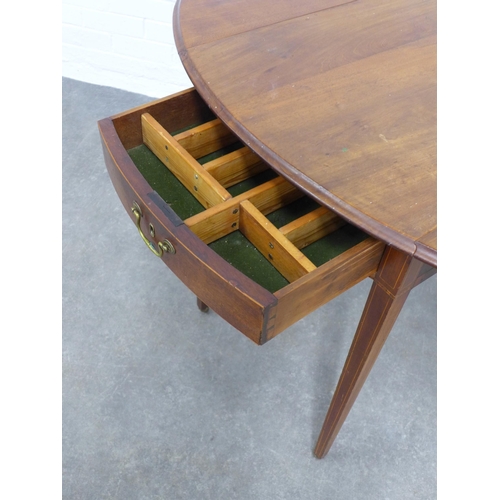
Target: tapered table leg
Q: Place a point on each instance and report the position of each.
(398, 273)
(201, 305)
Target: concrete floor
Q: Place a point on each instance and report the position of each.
(161, 401)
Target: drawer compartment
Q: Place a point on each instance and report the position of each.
(248, 243)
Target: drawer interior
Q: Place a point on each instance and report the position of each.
(253, 218)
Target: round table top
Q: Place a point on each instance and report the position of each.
(338, 96)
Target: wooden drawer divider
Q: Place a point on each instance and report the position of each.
(192, 175)
(312, 227)
(205, 138)
(246, 212)
(235, 166)
(223, 219)
(271, 243)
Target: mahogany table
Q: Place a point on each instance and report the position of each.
(339, 97)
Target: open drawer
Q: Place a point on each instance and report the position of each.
(248, 243)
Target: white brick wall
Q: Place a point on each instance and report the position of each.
(127, 44)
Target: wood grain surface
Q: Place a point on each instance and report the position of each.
(338, 97)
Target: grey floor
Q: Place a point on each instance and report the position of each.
(161, 401)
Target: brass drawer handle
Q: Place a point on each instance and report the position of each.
(163, 246)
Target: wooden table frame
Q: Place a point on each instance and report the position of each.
(410, 256)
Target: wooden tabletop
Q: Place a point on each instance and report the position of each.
(338, 96)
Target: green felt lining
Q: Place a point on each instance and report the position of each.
(235, 247)
(164, 182)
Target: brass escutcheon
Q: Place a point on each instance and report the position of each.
(163, 246)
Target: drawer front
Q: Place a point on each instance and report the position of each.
(224, 289)
(231, 198)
